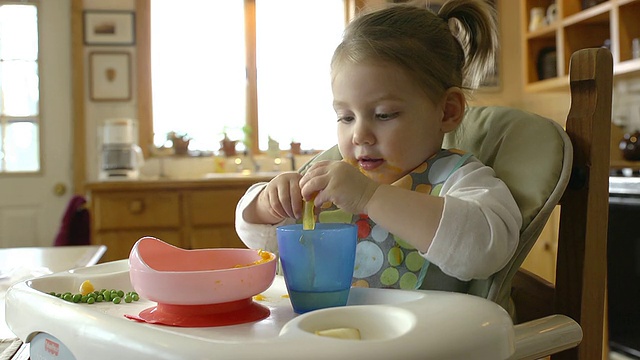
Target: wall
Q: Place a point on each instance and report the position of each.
(509, 60)
(96, 112)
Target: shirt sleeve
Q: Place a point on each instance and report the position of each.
(480, 225)
(256, 236)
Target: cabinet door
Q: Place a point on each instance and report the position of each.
(542, 257)
(212, 207)
(119, 243)
(210, 217)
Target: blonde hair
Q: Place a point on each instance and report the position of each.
(455, 47)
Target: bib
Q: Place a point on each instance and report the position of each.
(384, 260)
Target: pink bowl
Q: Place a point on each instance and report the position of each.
(167, 274)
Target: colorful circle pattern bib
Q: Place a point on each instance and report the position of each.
(382, 259)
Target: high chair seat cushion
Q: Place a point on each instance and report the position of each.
(533, 156)
(525, 150)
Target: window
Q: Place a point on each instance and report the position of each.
(19, 88)
(217, 66)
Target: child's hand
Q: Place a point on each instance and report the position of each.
(281, 198)
(340, 183)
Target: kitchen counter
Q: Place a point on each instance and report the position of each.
(191, 214)
(207, 180)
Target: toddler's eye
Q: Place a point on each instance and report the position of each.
(345, 119)
(387, 116)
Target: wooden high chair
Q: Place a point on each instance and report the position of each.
(579, 291)
(543, 165)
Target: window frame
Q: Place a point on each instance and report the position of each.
(36, 118)
(144, 93)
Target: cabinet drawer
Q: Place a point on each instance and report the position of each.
(215, 237)
(127, 210)
(212, 207)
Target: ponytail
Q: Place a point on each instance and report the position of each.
(455, 47)
(473, 24)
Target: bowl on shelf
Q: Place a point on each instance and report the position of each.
(201, 287)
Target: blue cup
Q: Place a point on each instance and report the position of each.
(317, 264)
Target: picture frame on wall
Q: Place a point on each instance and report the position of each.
(109, 27)
(110, 76)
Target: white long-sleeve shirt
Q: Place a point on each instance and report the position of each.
(477, 235)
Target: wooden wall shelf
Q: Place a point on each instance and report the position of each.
(614, 22)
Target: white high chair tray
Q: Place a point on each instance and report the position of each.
(393, 324)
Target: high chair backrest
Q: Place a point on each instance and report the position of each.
(537, 159)
(533, 156)
(579, 290)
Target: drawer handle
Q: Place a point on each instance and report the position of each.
(136, 206)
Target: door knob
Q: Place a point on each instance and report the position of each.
(60, 189)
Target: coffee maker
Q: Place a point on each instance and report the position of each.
(120, 155)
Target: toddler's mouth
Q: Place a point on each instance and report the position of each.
(369, 164)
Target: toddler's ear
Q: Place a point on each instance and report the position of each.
(453, 109)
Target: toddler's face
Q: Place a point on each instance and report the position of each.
(387, 125)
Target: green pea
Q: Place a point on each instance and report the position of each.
(91, 300)
(68, 297)
(106, 295)
(128, 298)
(76, 298)
(84, 298)
(135, 297)
(120, 293)
(99, 298)
(116, 300)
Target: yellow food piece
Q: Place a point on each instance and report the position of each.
(308, 217)
(86, 287)
(265, 256)
(340, 333)
(259, 297)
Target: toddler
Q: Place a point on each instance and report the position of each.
(427, 217)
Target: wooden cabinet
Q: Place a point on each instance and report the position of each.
(542, 257)
(578, 24)
(208, 216)
(187, 214)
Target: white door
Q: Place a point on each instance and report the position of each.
(30, 209)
